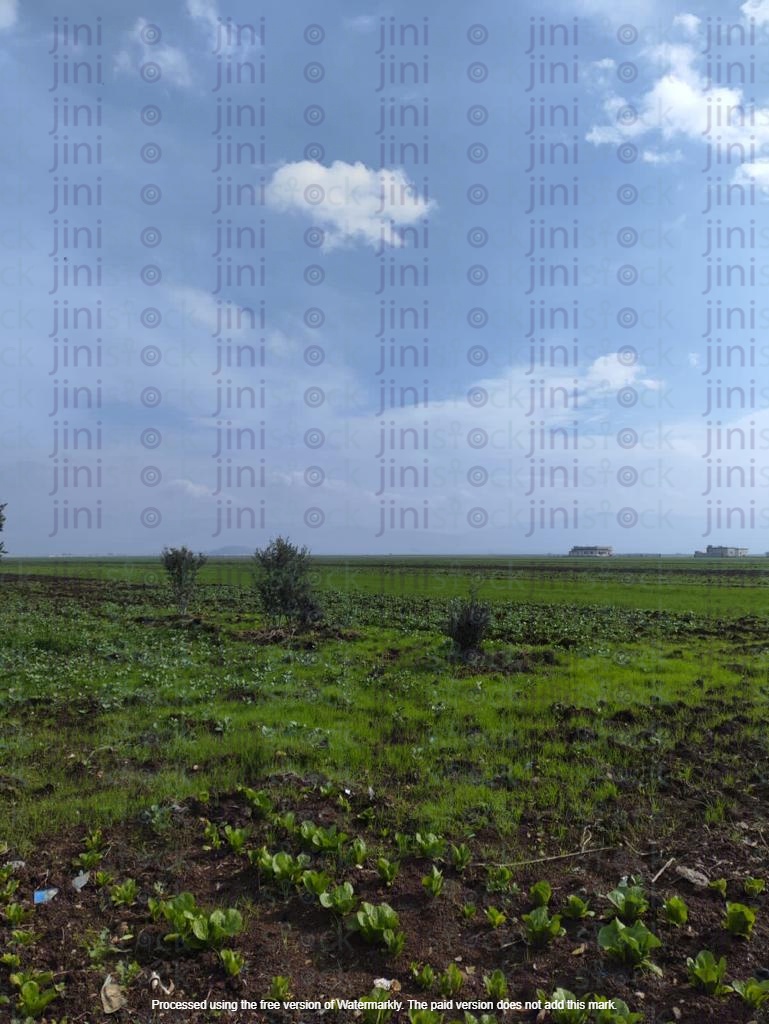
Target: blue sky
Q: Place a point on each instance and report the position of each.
(483, 435)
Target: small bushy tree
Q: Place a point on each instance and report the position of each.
(2, 524)
(467, 623)
(283, 584)
(181, 567)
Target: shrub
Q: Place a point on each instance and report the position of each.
(467, 623)
(282, 581)
(2, 524)
(182, 567)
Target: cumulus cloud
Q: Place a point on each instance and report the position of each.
(683, 104)
(613, 371)
(173, 62)
(349, 202)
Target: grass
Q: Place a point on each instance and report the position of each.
(582, 714)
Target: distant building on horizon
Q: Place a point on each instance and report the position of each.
(593, 551)
(721, 551)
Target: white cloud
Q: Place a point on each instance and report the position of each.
(9, 13)
(172, 61)
(654, 156)
(758, 172)
(205, 11)
(690, 23)
(350, 202)
(756, 9)
(610, 372)
(683, 103)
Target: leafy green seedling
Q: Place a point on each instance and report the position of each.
(425, 1017)
(232, 961)
(195, 927)
(560, 1013)
(707, 973)
(451, 981)
(629, 945)
(315, 882)
(576, 908)
(429, 845)
(280, 988)
(423, 975)
(124, 894)
(460, 857)
(15, 914)
(387, 870)
(739, 920)
(358, 851)
(433, 883)
(380, 923)
(500, 879)
(752, 992)
(236, 838)
(541, 893)
(718, 885)
(377, 1010)
(753, 887)
(339, 901)
(33, 998)
(495, 984)
(675, 911)
(541, 928)
(495, 917)
(258, 800)
(468, 911)
(629, 902)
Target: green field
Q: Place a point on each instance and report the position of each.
(621, 705)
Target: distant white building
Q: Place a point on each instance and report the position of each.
(593, 551)
(721, 551)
